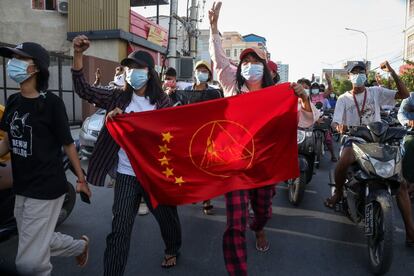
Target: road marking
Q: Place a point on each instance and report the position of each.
(289, 232)
(286, 188)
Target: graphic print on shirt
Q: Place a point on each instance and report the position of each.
(368, 114)
(21, 140)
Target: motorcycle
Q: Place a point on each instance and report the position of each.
(320, 129)
(371, 182)
(296, 187)
(8, 225)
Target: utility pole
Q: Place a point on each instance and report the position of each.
(193, 30)
(172, 55)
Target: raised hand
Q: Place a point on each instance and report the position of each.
(81, 43)
(386, 67)
(213, 14)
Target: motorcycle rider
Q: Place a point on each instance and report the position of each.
(406, 118)
(361, 106)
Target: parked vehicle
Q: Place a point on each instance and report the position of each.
(370, 185)
(320, 129)
(89, 132)
(306, 148)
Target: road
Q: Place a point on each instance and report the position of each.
(305, 240)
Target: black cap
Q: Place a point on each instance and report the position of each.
(139, 57)
(353, 64)
(29, 50)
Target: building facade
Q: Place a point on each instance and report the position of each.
(409, 31)
(283, 71)
(234, 43)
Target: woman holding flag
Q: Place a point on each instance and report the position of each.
(142, 92)
(250, 75)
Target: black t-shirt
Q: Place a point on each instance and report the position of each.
(37, 129)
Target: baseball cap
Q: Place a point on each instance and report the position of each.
(28, 50)
(202, 63)
(139, 57)
(272, 66)
(353, 64)
(259, 52)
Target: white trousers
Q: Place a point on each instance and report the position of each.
(36, 221)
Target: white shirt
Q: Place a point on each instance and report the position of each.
(346, 112)
(137, 104)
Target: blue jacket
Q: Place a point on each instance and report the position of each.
(406, 112)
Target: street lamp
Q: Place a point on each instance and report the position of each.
(366, 38)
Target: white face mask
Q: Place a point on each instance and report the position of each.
(252, 72)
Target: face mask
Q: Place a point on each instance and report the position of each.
(169, 83)
(137, 78)
(358, 79)
(119, 80)
(252, 72)
(315, 91)
(201, 77)
(307, 91)
(332, 96)
(17, 70)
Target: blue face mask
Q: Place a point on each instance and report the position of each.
(17, 70)
(252, 72)
(201, 77)
(307, 91)
(315, 91)
(137, 78)
(358, 79)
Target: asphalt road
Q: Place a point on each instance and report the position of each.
(305, 240)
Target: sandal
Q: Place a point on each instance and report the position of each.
(168, 259)
(331, 201)
(264, 248)
(82, 259)
(208, 210)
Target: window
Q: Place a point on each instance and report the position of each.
(235, 52)
(410, 47)
(44, 5)
(411, 9)
(228, 52)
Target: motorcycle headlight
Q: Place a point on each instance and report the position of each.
(301, 136)
(85, 125)
(384, 169)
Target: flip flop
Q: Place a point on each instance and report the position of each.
(208, 210)
(265, 248)
(329, 203)
(166, 259)
(82, 259)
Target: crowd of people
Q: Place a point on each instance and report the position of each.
(36, 127)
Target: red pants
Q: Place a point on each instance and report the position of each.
(234, 239)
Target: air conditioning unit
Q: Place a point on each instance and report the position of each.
(185, 68)
(62, 6)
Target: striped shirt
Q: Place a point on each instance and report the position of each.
(105, 154)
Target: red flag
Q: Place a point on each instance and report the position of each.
(195, 152)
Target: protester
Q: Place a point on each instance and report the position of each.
(306, 84)
(361, 106)
(170, 81)
(251, 74)
(141, 92)
(36, 128)
(273, 71)
(332, 100)
(202, 76)
(406, 118)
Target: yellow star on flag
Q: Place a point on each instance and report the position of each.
(179, 180)
(164, 160)
(167, 137)
(168, 172)
(164, 149)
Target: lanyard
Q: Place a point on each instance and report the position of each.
(360, 111)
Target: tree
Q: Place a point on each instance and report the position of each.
(340, 86)
(407, 75)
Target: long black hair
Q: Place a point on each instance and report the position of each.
(153, 90)
(266, 79)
